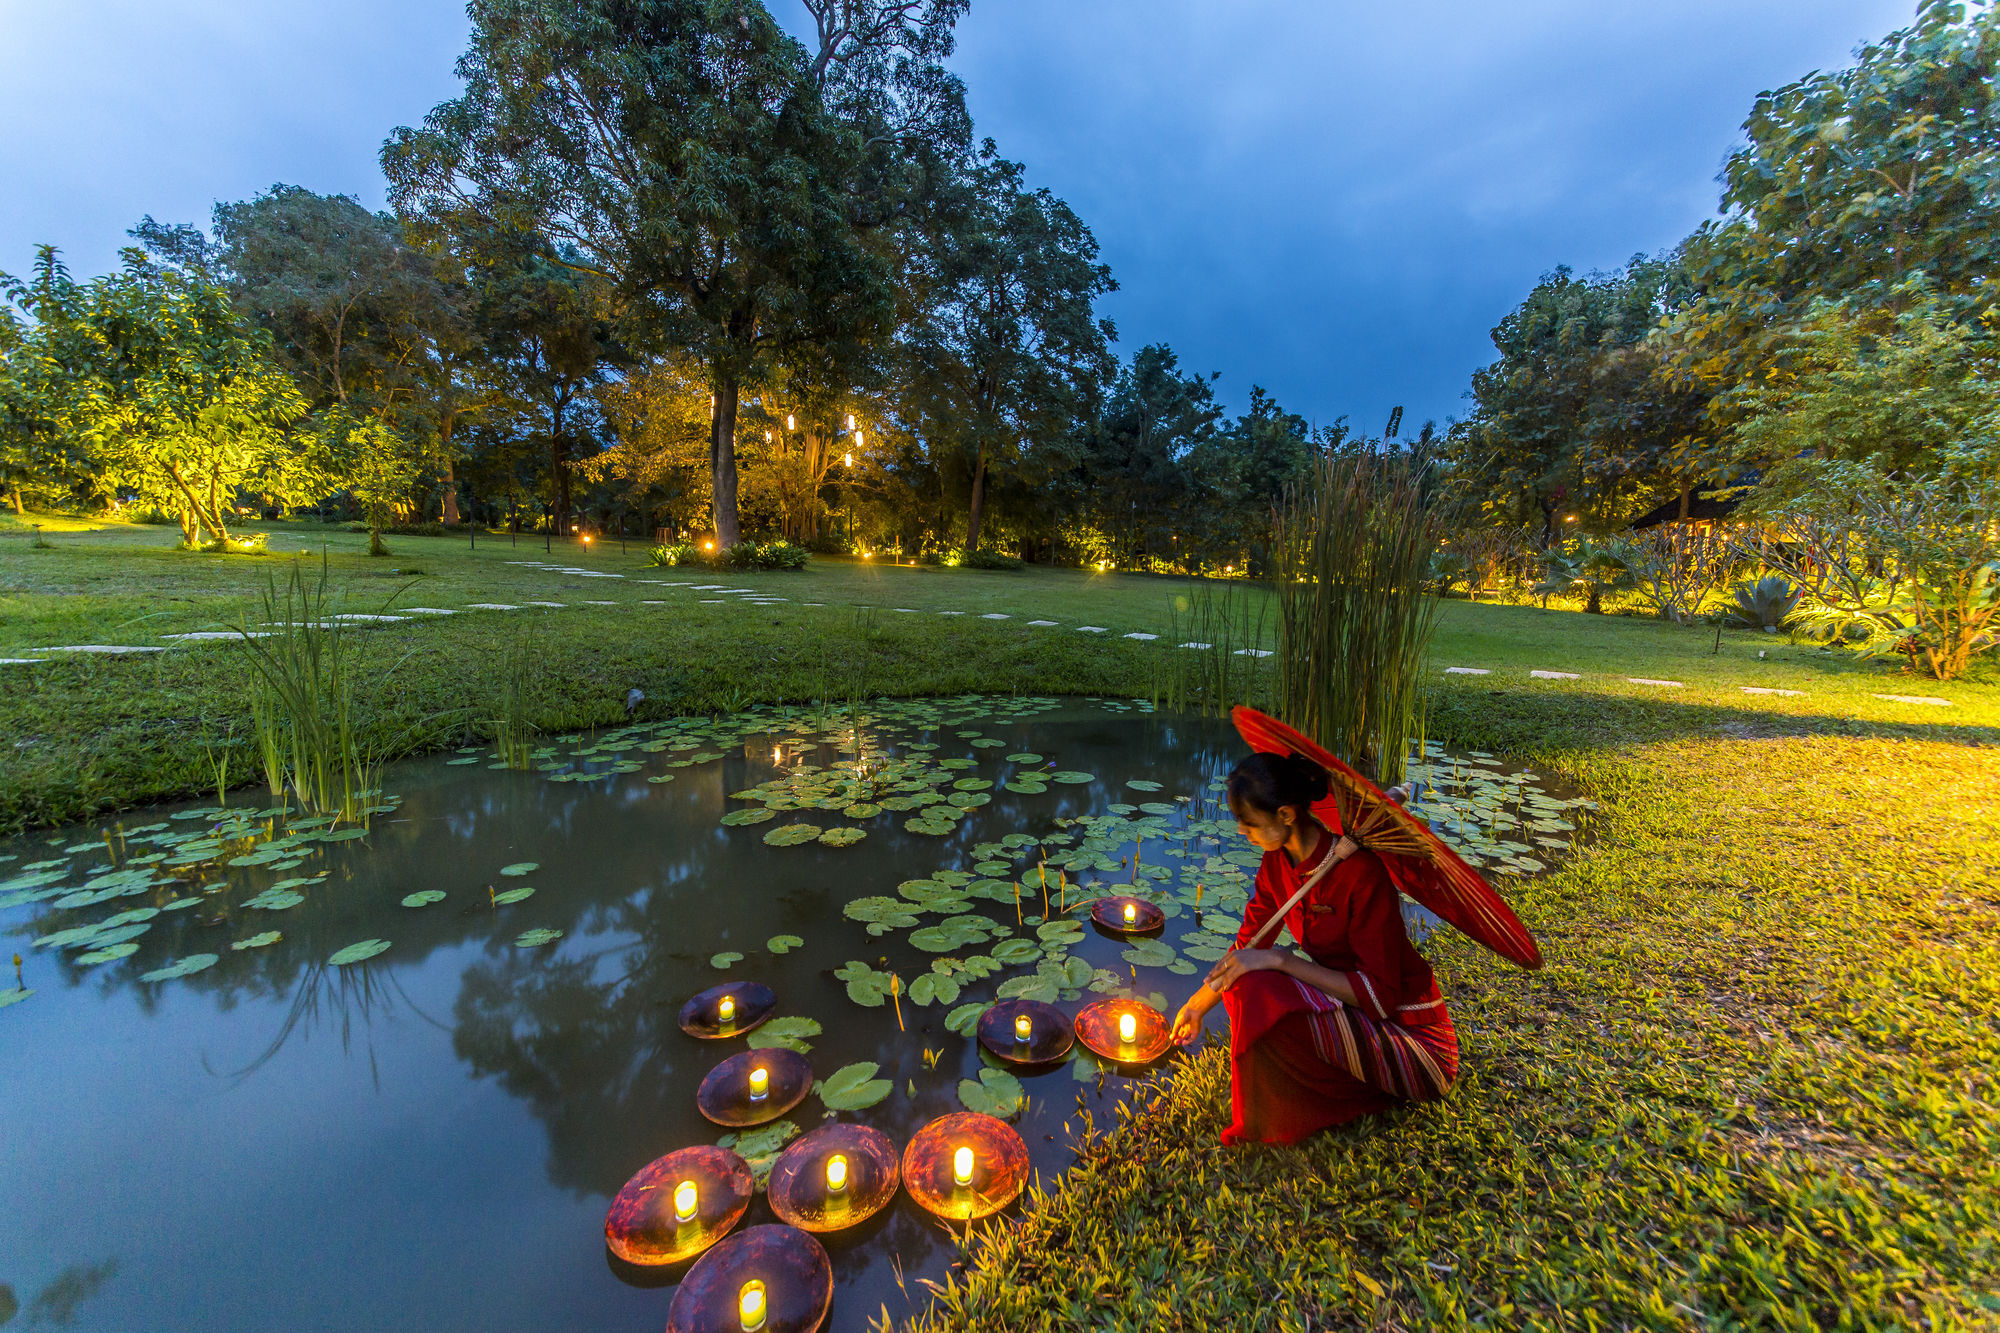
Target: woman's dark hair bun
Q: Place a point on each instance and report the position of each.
(1268, 782)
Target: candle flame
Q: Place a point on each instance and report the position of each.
(685, 1200)
(836, 1173)
(727, 1008)
(760, 1081)
(1131, 913)
(750, 1305)
(961, 1166)
(1024, 1027)
(1128, 1028)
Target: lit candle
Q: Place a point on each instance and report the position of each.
(1128, 1028)
(1131, 913)
(751, 1305)
(684, 1201)
(836, 1174)
(727, 1009)
(1024, 1027)
(961, 1166)
(760, 1083)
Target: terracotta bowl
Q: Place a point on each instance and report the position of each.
(724, 1096)
(797, 1278)
(1109, 914)
(641, 1226)
(999, 1166)
(1049, 1036)
(798, 1190)
(702, 1016)
(1097, 1029)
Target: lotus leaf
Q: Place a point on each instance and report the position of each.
(1204, 953)
(1142, 784)
(1020, 788)
(1157, 807)
(1064, 933)
(14, 995)
(783, 943)
(1070, 971)
(972, 784)
(790, 1033)
(996, 1093)
(724, 959)
(964, 1019)
(275, 900)
(521, 894)
(969, 800)
(360, 951)
(540, 935)
(1016, 951)
(979, 966)
(792, 835)
(260, 940)
(842, 837)
(755, 815)
(107, 954)
(760, 1147)
(863, 810)
(870, 991)
(424, 897)
(1036, 987)
(1071, 777)
(1149, 953)
(1024, 758)
(854, 1087)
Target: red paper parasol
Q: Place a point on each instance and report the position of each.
(1419, 862)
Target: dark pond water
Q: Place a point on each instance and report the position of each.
(206, 1121)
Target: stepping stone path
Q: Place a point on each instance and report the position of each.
(1467, 671)
(1091, 629)
(1143, 638)
(1554, 675)
(996, 615)
(1913, 699)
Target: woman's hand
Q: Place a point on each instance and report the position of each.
(1187, 1023)
(1235, 965)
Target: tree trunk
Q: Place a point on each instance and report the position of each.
(450, 498)
(1687, 495)
(978, 508)
(1595, 606)
(722, 461)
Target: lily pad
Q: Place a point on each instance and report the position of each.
(754, 816)
(1142, 784)
(1040, 986)
(514, 895)
(275, 900)
(789, 1033)
(724, 959)
(1149, 953)
(854, 1087)
(842, 837)
(1024, 758)
(107, 954)
(760, 1147)
(783, 943)
(520, 868)
(996, 1093)
(792, 835)
(262, 939)
(1071, 777)
(186, 967)
(931, 988)
(425, 897)
(964, 1019)
(1016, 951)
(529, 939)
(358, 952)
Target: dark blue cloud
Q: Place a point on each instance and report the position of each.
(1334, 200)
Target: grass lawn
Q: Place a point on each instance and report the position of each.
(1753, 1087)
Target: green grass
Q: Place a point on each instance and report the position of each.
(1752, 1089)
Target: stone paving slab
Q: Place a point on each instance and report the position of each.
(1554, 675)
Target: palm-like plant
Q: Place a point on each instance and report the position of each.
(1764, 603)
(1586, 567)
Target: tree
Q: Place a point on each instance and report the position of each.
(1850, 183)
(684, 152)
(658, 419)
(1003, 349)
(1134, 475)
(44, 362)
(183, 404)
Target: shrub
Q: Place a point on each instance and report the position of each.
(992, 560)
(743, 555)
(829, 544)
(408, 529)
(1763, 603)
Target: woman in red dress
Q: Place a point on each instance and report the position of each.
(1357, 1028)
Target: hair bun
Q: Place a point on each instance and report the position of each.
(1308, 777)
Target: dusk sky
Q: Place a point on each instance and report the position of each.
(1336, 201)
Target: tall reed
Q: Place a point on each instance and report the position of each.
(302, 699)
(513, 733)
(1214, 636)
(1353, 546)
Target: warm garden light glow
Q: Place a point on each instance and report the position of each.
(686, 1198)
(708, 546)
(1024, 1027)
(849, 458)
(760, 1083)
(1128, 1028)
(791, 422)
(750, 1305)
(836, 1174)
(850, 421)
(726, 1010)
(961, 1166)
(859, 439)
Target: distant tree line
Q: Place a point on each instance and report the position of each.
(659, 267)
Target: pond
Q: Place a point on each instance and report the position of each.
(265, 1073)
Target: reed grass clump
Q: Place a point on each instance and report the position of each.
(302, 699)
(513, 732)
(1214, 636)
(1352, 556)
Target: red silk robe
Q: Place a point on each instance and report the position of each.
(1300, 1060)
